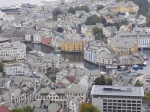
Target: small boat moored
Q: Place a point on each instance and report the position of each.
(136, 67)
(145, 63)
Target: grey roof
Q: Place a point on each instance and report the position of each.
(123, 42)
(76, 88)
(39, 110)
(12, 46)
(117, 90)
(54, 107)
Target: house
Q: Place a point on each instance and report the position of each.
(125, 98)
(123, 46)
(37, 38)
(74, 44)
(97, 52)
(16, 69)
(109, 31)
(141, 20)
(123, 6)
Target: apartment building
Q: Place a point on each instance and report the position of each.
(98, 52)
(117, 98)
(123, 46)
(12, 69)
(123, 6)
(15, 50)
(143, 38)
(74, 44)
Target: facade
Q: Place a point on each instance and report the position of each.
(28, 37)
(16, 96)
(46, 40)
(15, 50)
(143, 38)
(50, 61)
(16, 69)
(123, 46)
(124, 7)
(109, 31)
(117, 98)
(37, 38)
(97, 51)
(74, 44)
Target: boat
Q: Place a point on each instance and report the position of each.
(13, 8)
(145, 63)
(57, 50)
(144, 56)
(136, 67)
(111, 66)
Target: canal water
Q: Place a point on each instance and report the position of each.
(77, 58)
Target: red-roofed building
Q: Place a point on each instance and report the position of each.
(3, 109)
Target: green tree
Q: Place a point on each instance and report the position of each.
(56, 12)
(143, 6)
(98, 33)
(109, 81)
(146, 97)
(100, 80)
(24, 109)
(27, 109)
(1, 67)
(92, 20)
(138, 84)
(28, 48)
(87, 108)
(118, 25)
(99, 7)
(81, 8)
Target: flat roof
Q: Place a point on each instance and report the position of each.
(117, 90)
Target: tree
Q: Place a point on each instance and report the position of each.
(138, 84)
(109, 81)
(81, 8)
(1, 67)
(99, 7)
(100, 80)
(56, 12)
(118, 25)
(27, 109)
(98, 33)
(60, 29)
(146, 97)
(92, 20)
(28, 48)
(87, 108)
(24, 109)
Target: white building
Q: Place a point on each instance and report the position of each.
(13, 97)
(96, 52)
(117, 98)
(16, 69)
(28, 37)
(143, 38)
(36, 38)
(14, 50)
(109, 31)
(9, 17)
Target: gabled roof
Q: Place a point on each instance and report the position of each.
(76, 88)
(3, 109)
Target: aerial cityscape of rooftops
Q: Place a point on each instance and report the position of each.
(75, 56)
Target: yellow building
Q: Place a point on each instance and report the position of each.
(73, 44)
(124, 46)
(124, 7)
